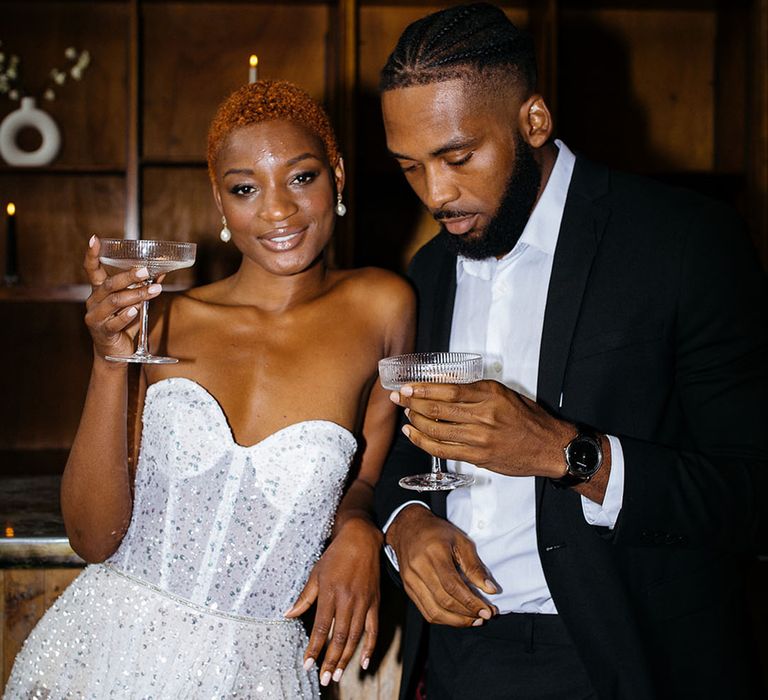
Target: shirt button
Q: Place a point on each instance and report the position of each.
(497, 366)
(481, 524)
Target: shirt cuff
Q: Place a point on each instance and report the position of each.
(388, 549)
(607, 513)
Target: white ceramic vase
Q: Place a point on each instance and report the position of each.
(28, 116)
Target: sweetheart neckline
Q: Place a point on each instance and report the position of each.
(347, 433)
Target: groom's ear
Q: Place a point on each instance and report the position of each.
(535, 121)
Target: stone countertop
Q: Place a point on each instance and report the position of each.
(31, 526)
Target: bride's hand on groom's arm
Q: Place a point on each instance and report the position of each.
(345, 584)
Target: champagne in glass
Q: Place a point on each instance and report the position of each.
(439, 368)
(159, 257)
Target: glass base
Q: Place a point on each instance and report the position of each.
(440, 481)
(144, 359)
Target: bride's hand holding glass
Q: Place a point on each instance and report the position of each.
(113, 306)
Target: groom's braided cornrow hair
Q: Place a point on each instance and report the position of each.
(461, 42)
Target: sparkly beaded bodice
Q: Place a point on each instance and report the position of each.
(232, 528)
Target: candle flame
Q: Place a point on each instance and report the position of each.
(11, 209)
(253, 60)
(9, 532)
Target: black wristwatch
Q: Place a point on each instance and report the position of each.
(583, 458)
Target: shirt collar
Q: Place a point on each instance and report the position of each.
(543, 225)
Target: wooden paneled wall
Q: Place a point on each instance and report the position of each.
(25, 594)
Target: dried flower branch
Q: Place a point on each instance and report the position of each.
(10, 73)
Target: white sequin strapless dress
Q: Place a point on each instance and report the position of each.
(221, 542)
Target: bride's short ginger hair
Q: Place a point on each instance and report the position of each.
(266, 100)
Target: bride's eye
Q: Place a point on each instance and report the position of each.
(305, 177)
(242, 189)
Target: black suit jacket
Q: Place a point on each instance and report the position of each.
(654, 331)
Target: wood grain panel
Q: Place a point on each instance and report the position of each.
(731, 65)
(195, 54)
(637, 87)
(91, 113)
(26, 595)
(47, 354)
(55, 217)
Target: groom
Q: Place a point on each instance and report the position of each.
(619, 442)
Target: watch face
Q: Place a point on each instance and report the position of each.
(583, 456)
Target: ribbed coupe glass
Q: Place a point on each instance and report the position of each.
(159, 257)
(434, 367)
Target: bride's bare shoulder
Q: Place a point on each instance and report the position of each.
(378, 283)
(383, 298)
(379, 290)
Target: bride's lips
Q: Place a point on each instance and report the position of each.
(460, 225)
(281, 240)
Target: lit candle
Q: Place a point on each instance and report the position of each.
(11, 273)
(253, 75)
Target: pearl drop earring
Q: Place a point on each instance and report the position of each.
(340, 208)
(225, 234)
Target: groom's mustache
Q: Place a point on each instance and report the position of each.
(444, 214)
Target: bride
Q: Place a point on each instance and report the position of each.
(257, 449)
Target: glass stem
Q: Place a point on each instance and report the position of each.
(437, 465)
(141, 347)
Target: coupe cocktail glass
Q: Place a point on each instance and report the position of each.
(159, 257)
(434, 367)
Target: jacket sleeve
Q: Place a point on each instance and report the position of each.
(705, 484)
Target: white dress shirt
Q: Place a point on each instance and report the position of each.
(499, 312)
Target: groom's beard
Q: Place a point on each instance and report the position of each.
(506, 226)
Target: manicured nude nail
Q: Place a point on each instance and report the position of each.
(92, 241)
(132, 311)
(406, 430)
(485, 614)
(326, 678)
(395, 397)
(365, 663)
(142, 273)
(337, 674)
(490, 586)
(477, 622)
(155, 288)
(407, 413)
(406, 390)
(309, 663)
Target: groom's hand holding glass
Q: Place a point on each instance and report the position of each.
(491, 426)
(486, 424)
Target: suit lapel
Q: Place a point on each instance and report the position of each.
(580, 232)
(445, 296)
